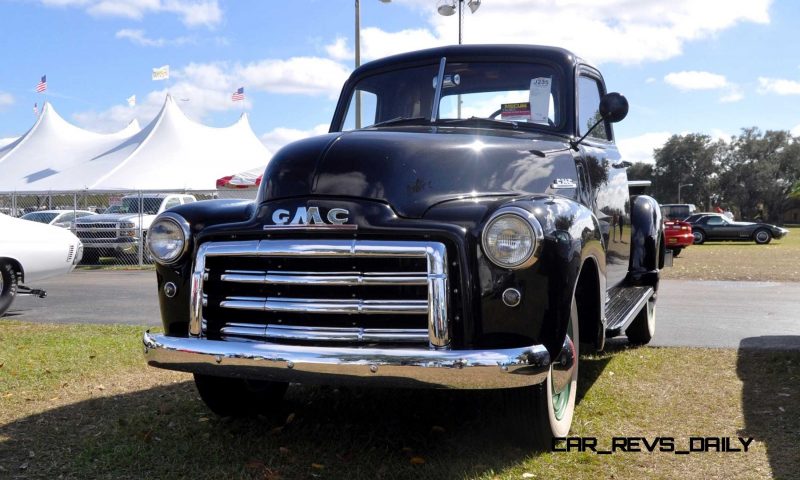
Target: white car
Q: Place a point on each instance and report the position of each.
(30, 252)
(59, 218)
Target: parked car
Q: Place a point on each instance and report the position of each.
(31, 252)
(122, 228)
(678, 235)
(677, 211)
(716, 226)
(421, 248)
(59, 218)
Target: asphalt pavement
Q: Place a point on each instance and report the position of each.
(689, 313)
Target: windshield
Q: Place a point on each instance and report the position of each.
(131, 205)
(40, 217)
(527, 93)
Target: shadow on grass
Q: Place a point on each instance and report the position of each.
(167, 432)
(769, 368)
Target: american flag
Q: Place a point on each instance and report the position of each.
(238, 95)
(42, 85)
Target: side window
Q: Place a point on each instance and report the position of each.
(172, 202)
(368, 111)
(589, 108)
(67, 217)
(188, 200)
(715, 221)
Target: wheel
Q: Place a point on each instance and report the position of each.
(91, 256)
(544, 411)
(235, 397)
(8, 286)
(676, 251)
(699, 237)
(762, 236)
(643, 327)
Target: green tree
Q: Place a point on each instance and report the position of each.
(684, 159)
(758, 172)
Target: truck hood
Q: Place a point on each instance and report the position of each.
(412, 169)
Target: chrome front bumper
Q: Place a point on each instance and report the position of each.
(463, 369)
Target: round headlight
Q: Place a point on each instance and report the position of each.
(510, 239)
(167, 238)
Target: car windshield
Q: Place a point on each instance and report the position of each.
(528, 94)
(131, 205)
(41, 217)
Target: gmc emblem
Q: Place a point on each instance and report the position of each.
(311, 218)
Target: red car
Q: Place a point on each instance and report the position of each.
(678, 235)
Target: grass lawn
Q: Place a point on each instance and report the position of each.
(779, 261)
(77, 401)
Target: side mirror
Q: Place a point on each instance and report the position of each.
(613, 107)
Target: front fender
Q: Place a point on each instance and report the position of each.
(572, 237)
(647, 232)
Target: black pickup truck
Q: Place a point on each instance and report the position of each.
(466, 223)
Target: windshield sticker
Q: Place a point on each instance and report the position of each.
(449, 81)
(516, 111)
(540, 100)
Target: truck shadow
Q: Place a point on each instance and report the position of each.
(166, 432)
(769, 368)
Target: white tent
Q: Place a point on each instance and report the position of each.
(171, 152)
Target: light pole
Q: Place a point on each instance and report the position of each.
(447, 8)
(681, 185)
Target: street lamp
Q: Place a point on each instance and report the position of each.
(447, 8)
(681, 185)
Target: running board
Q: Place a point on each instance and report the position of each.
(624, 304)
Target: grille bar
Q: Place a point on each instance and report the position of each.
(329, 278)
(327, 334)
(434, 253)
(313, 305)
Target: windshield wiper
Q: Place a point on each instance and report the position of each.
(398, 121)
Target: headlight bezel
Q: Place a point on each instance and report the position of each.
(537, 235)
(183, 227)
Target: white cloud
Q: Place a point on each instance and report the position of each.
(139, 37)
(640, 148)
(699, 80)
(338, 50)
(795, 131)
(6, 100)
(208, 88)
(377, 43)
(278, 137)
(621, 31)
(303, 75)
(650, 80)
(193, 13)
(694, 80)
(779, 86)
(734, 94)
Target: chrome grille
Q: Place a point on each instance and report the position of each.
(91, 231)
(249, 290)
(70, 253)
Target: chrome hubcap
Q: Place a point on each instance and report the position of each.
(761, 236)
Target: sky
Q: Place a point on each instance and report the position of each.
(686, 66)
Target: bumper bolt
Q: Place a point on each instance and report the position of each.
(373, 368)
(289, 364)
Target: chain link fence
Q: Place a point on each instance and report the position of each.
(112, 225)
